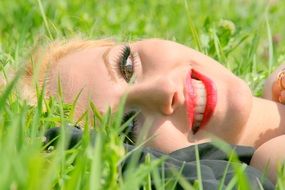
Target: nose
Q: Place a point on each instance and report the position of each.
(160, 95)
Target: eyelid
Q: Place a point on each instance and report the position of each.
(106, 60)
(116, 56)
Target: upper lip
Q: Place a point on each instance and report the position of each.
(211, 98)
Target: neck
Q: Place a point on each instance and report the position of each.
(265, 122)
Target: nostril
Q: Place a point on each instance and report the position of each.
(174, 99)
(168, 103)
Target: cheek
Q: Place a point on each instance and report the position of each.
(241, 95)
(239, 102)
(233, 109)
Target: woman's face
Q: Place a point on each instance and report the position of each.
(182, 93)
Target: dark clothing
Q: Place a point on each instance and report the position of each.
(213, 164)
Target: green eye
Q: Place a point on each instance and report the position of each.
(126, 64)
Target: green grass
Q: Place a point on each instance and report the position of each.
(245, 36)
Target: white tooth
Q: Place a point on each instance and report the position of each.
(195, 80)
(200, 95)
(201, 91)
(200, 100)
(200, 108)
(197, 84)
(198, 117)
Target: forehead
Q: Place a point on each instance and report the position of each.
(86, 71)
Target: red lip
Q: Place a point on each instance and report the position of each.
(211, 98)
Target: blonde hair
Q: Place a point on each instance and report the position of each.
(43, 58)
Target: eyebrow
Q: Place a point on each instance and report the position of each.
(106, 59)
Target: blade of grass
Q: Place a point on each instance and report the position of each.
(192, 27)
(270, 45)
(198, 167)
(9, 88)
(96, 164)
(45, 19)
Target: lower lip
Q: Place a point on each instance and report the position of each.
(211, 97)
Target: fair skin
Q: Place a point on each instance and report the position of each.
(274, 89)
(159, 92)
(270, 155)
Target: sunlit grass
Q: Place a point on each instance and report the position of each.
(245, 36)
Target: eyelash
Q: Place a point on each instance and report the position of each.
(126, 54)
(129, 119)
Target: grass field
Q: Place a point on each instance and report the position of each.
(246, 36)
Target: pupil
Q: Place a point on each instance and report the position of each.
(128, 70)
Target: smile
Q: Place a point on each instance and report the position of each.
(201, 99)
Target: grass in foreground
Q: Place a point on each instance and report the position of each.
(245, 36)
